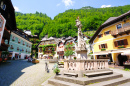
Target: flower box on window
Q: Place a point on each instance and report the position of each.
(121, 46)
(18, 42)
(27, 45)
(22, 50)
(17, 48)
(103, 49)
(23, 44)
(11, 48)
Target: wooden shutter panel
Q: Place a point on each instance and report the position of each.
(98, 36)
(99, 46)
(125, 42)
(115, 43)
(110, 32)
(102, 35)
(106, 45)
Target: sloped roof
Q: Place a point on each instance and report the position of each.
(110, 19)
(109, 22)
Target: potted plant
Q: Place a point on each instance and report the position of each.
(74, 58)
(56, 70)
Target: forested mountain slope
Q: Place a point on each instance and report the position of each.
(64, 23)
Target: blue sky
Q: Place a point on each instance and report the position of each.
(54, 7)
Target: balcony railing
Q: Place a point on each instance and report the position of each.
(121, 31)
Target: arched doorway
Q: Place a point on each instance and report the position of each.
(121, 59)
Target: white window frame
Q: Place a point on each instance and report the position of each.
(101, 35)
(13, 38)
(118, 24)
(107, 31)
(19, 40)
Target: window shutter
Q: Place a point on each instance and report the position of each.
(110, 32)
(106, 45)
(102, 35)
(98, 36)
(99, 46)
(125, 42)
(115, 43)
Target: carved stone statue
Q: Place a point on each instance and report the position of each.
(81, 48)
(78, 23)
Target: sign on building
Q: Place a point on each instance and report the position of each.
(2, 26)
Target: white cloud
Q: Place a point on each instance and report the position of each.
(104, 6)
(16, 8)
(68, 2)
(58, 5)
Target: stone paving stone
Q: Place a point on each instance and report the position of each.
(23, 73)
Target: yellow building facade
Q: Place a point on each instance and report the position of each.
(112, 40)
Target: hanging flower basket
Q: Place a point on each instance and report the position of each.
(122, 46)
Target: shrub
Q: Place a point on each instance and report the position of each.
(56, 70)
(74, 58)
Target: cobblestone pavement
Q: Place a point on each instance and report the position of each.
(121, 71)
(23, 73)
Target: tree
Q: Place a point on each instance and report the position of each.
(69, 50)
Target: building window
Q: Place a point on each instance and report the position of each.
(27, 45)
(1, 23)
(126, 24)
(101, 35)
(118, 26)
(40, 50)
(17, 48)
(103, 46)
(107, 32)
(13, 38)
(121, 42)
(23, 42)
(19, 40)
(22, 49)
(11, 47)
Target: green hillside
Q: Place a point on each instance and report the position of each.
(64, 23)
(34, 22)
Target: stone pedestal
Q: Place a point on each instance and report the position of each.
(82, 54)
(85, 66)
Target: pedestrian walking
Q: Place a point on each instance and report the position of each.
(46, 67)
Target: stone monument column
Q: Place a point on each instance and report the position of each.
(81, 48)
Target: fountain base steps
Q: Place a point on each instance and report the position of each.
(104, 80)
